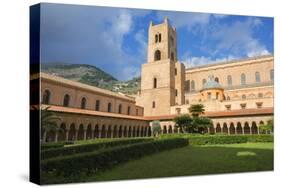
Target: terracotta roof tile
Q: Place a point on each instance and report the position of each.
(89, 112)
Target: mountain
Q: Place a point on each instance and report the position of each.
(91, 75)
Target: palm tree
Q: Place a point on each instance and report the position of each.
(48, 121)
(196, 110)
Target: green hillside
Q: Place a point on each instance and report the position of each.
(91, 75)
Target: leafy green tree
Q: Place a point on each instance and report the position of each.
(196, 110)
(200, 124)
(268, 127)
(184, 123)
(155, 128)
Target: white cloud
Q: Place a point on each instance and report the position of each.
(180, 19)
(140, 38)
(238, 38)
(194, 61)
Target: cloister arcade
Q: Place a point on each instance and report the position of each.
(94, 127)
(73, 127)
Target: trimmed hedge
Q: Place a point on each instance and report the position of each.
(228, 139)
(47, 146)
(63, 151)
(92, 163)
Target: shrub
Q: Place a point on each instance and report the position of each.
(93, 162)
(57, 152)
(261, 138)
(228, 139)
(47, 146)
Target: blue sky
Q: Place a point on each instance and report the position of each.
(115, 39)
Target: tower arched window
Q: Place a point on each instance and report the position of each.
(157, 55)
(258, 77)
(154, 82)
(46, 97)
(243, 79)
(109, 107)
(156, 38)
(192, 85)
(187, 85)
(271, 74)
(120, 108)
(172, 56)
(159, 37)
(83, 103)
(153, 104)
(229, 80)
(217, 79)
(66, 100)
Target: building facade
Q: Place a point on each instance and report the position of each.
(237, 95)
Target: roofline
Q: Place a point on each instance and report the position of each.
(229, 62)
(87, 87)
(71, 110)
(219, 114)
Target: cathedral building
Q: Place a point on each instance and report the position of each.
(237, 95)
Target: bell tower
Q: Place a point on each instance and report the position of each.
(161, 42)
(162, 76)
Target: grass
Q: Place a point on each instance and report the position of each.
(194, 160)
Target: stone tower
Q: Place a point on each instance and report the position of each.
(162, 76)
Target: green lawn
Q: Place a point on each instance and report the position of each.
(194, 160)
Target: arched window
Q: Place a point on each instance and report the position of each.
(228, 98)
(171, 40)
(172, 56)
(46, 97)
(97, 105)
(192, 85)
(83, 103)
(203, 81)
(243, 79)
(129, 110)
(258, 77)
(157, 55)
(217, 79)
(154, 82)
(66, 100)
(176, 71)
(153, 104)
(159, 37)
(229, 80)
(187, 85)
(120, 108)
(109, 107)
(271, 74)
(243, 96)
(156, 38)
(176, 92)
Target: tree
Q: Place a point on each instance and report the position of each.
(183, 122)
(196, 110)
(268, 128)
(155, 128)
(201, 123)
(48, 122)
